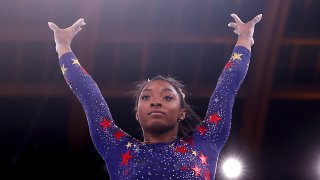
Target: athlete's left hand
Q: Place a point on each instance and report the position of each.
(244, 30)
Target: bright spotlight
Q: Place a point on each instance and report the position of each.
(232, 168)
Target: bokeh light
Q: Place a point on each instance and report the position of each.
(232, 168)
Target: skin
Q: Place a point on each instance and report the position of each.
(157, 128)
(159, 112)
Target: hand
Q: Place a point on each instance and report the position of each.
(244, 30)
(63, 37)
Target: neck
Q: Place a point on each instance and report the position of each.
(159, 138)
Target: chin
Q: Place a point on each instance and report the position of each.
(159, 128)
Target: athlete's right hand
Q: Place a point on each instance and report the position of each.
(63, 37)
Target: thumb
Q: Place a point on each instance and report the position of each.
(53, 26)
(256, 19)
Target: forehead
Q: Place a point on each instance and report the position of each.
(160, 85)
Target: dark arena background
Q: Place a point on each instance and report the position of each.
(276, 117)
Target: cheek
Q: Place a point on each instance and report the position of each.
(141, 108)
(175, 109)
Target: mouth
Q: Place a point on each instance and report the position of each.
(156, 113)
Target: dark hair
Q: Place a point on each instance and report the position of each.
(191, 121)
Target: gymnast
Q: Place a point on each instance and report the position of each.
(177, 144)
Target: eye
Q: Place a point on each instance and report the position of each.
(145, 97)
(168, 98)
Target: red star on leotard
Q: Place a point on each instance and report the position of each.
(228, 65)
(118, 135)
(202, 129)
(125, 158)
(203, 159)
(197, 170)
(84, 71)
(67, 80)
(215, 118)
(105, 123)
(181, 150)
(184, 168)
(207, 175)
(189, 140)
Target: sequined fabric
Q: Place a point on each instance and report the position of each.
(194, 157)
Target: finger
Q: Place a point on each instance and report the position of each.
(53, 26)
(233, 25)
(77, 30)
(236, 19)
(77, 26)
(80, 22)
(256, 19)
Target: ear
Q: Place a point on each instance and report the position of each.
(137, 117)
(183, 113)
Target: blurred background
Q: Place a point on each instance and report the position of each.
(276, 116)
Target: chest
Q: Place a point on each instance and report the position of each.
(166, 162)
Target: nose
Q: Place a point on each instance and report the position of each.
(155, 104)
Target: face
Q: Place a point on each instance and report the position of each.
(159, 107)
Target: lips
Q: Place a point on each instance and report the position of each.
(156, 112)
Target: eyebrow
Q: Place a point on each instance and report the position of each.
(166, 89)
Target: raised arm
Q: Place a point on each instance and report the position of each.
(104, 133)
(216, 126)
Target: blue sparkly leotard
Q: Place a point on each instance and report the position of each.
(194, 157)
